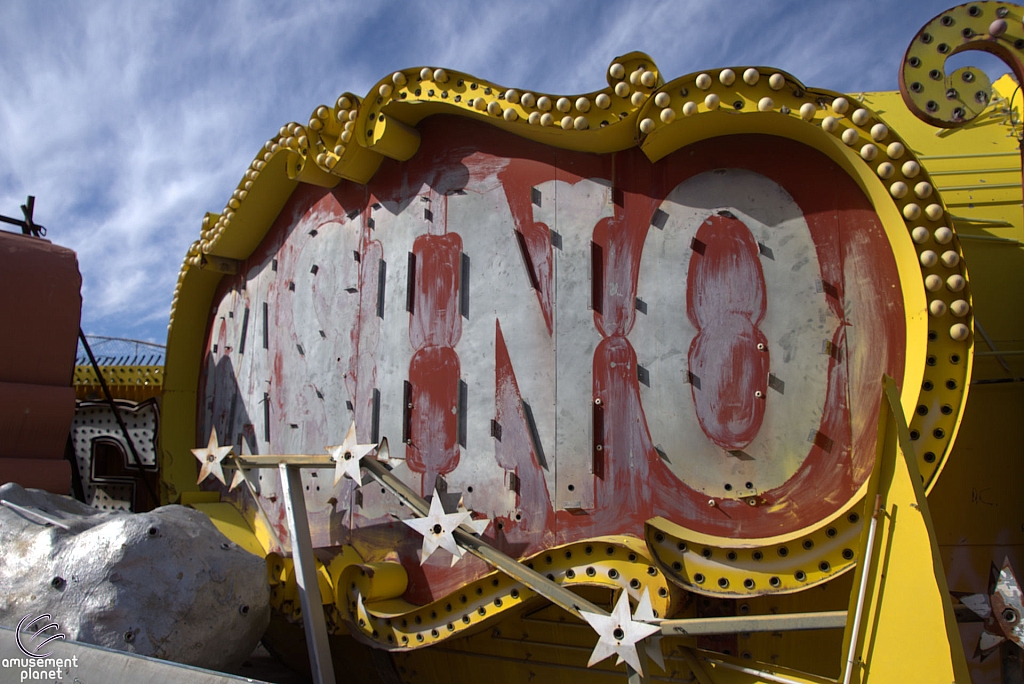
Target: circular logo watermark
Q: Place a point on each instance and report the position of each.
(26, 643)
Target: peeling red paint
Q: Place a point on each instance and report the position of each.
(725, 299)
(436, 320)
(434, 421)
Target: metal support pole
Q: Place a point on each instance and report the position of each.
(305, 574)
(862, 593)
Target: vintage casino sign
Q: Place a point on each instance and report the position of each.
(662, 308)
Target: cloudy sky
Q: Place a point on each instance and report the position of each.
(129, 120)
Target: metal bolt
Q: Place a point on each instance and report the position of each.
(758, 394)
(711, 502)
(599, 447)
(597, 402)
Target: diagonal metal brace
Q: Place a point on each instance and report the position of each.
(468, 540)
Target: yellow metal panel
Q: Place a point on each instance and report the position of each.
(134, 383)
(908, 632)
(232, 525)
(181, 376)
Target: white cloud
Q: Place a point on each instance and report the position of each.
(130, 120)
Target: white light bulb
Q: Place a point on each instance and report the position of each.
(959, 332)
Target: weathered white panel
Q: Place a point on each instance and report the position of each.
(391, 356)
(499, 290)
(573, 210)
(797, 323)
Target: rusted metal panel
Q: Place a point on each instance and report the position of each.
(49, 474)
(36, 276)
(542, 329)
(34, 420)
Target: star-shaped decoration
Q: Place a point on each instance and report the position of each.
(1002, 609)
(618, 633)
(347, 455)
(210, 459)
(645, 613)
(437, 530)
(478, 526)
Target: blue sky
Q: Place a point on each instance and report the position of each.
(129, 120)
